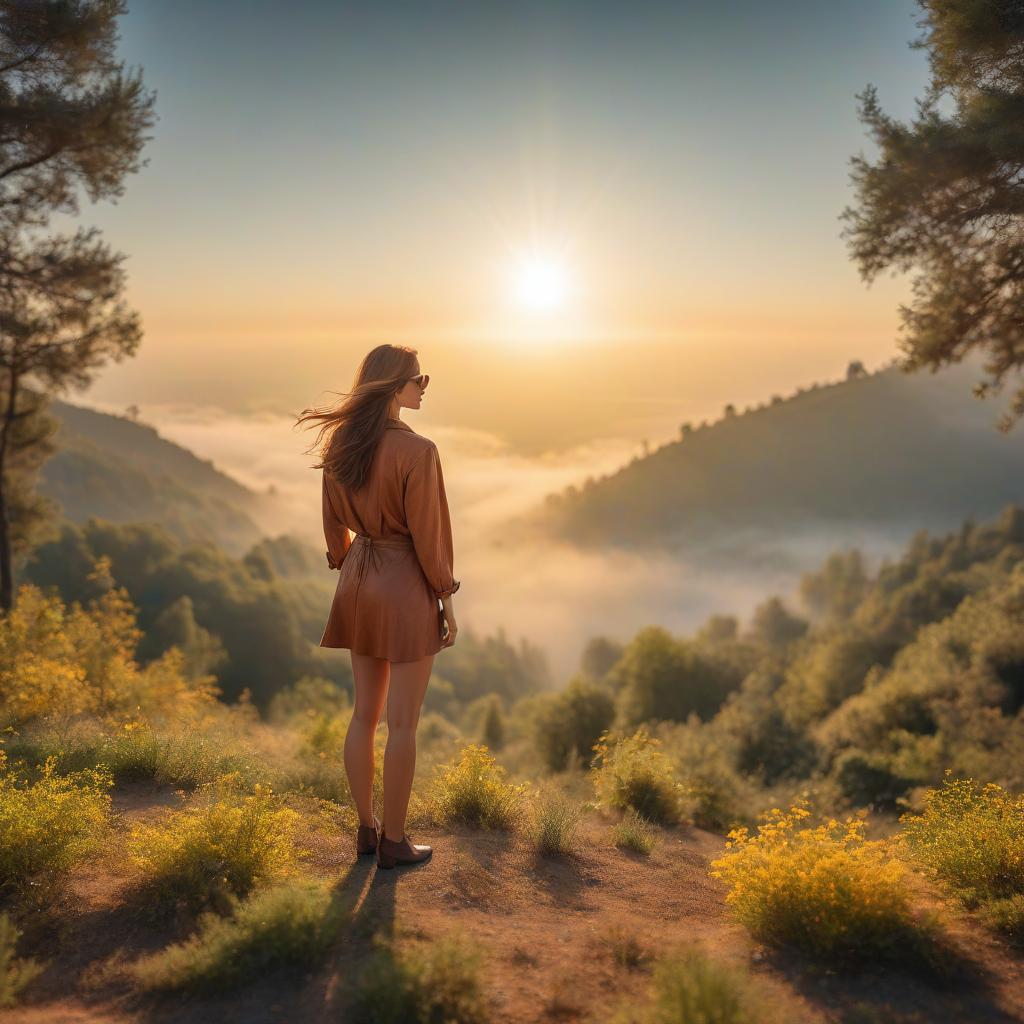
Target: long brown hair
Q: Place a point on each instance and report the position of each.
(354, 427)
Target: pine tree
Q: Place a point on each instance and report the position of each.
(71, 118)
(946, 195)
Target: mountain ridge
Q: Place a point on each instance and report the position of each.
(885, 450)
(112, 467)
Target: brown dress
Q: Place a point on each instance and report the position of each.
(401, 560)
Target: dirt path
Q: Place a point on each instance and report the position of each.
(546, 928)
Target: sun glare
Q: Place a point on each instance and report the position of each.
(541, 284)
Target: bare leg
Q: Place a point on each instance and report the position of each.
(371, 681)
(405, 698)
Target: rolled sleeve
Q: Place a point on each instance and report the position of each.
(426, 511)
(335, 531)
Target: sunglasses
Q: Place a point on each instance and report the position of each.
(422, 379)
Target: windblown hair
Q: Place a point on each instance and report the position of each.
(354, 427)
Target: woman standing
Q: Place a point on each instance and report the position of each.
(383, 481)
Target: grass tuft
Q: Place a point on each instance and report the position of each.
(624, 947)
(554, 823)
(689, 986)
(430, 983)
(634, 832)
(179, 754)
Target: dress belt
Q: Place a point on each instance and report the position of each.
(368, 550)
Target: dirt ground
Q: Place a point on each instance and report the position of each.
(546, 928)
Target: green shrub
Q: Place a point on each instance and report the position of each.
(305, 699)
(429, 984)
(222, 846)
(471, 790)
(48, 825)
(15, 973)
(972, 838)
(320, 762)
(715, 794)
(633, 772)
(825, 889)
(325, 780)
(324, 734)
(291, 924)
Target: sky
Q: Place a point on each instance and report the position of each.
(323, 177)
(594, 222)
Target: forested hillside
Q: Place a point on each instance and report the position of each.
(872, 688)
(116, 469)
(883, 452)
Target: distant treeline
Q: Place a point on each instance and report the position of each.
(255, 622)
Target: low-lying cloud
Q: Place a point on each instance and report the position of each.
(552, 594)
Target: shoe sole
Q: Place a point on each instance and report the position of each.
(404, 863)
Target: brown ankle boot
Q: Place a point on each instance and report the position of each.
(390, 853)
(367, 837)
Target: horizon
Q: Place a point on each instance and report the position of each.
(603, 275)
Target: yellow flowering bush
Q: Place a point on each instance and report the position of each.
(633, 773)
(224, 845)
(824, 889)
(471, 790)
(69, 660)
(971, 838)
(49, 824)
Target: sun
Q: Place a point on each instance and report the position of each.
(541, 283)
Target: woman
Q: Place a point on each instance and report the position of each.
(383, 481)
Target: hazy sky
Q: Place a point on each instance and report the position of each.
(327, 176)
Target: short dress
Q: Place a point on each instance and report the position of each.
(401, 561)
